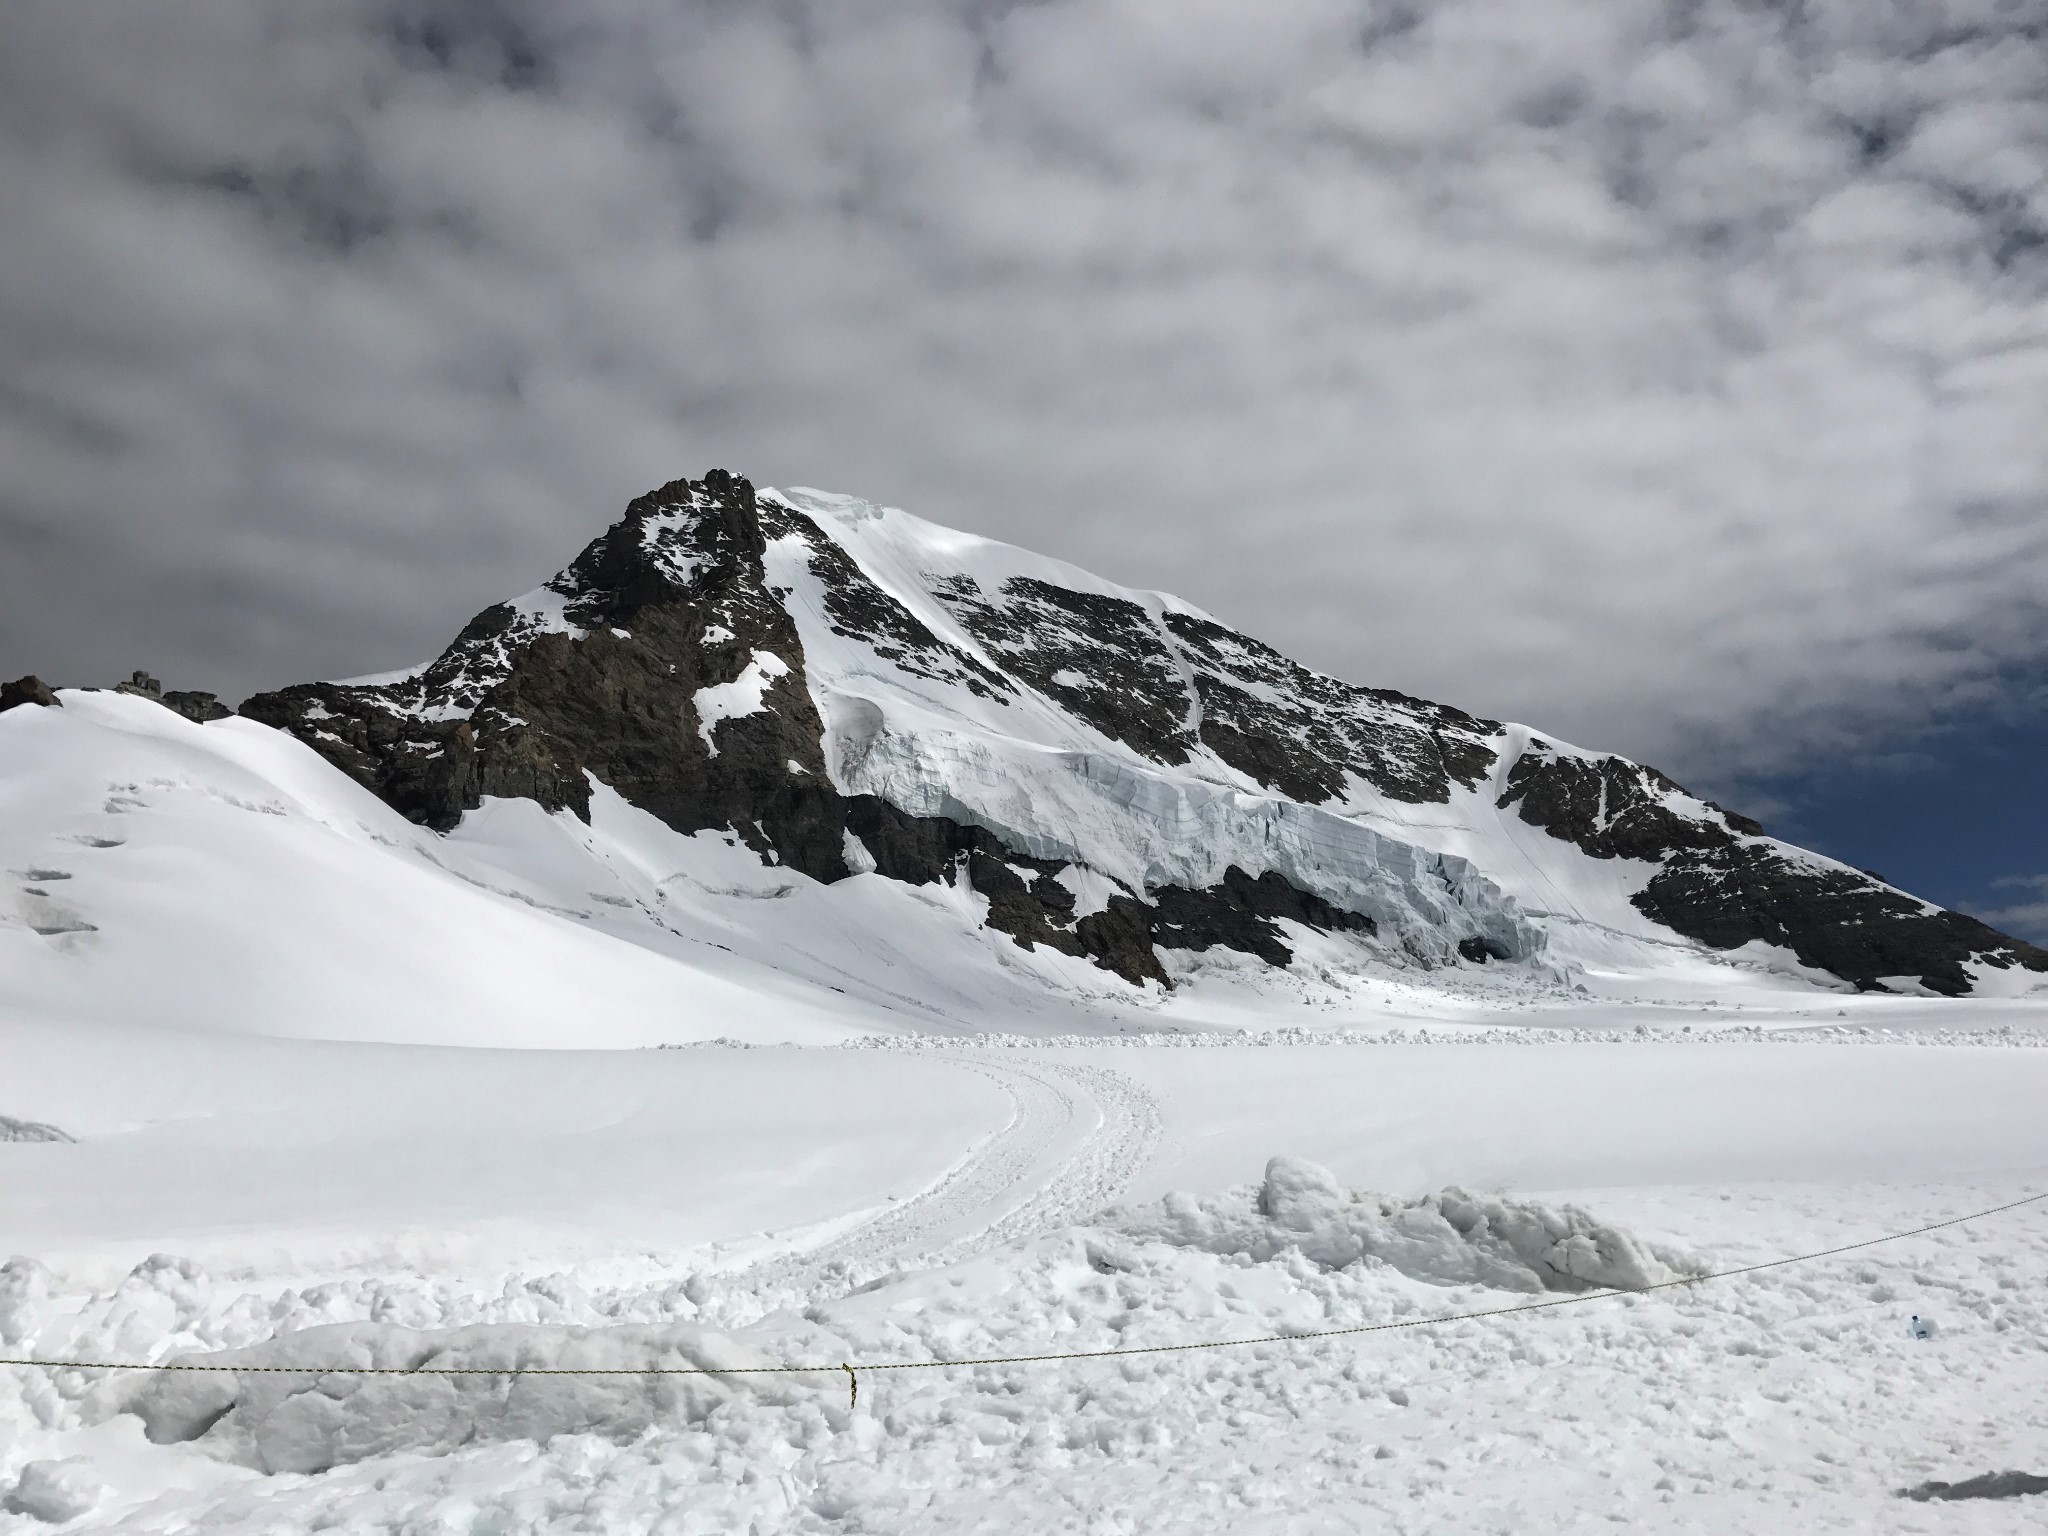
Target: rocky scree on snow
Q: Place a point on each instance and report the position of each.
(193, 705)
(28, 690)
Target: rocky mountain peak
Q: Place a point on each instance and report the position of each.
(657, 661)
(687, 535)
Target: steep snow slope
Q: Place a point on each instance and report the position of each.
(1028, 764)
(1052, 785)
(225, 877)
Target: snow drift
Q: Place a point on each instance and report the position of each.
(290, 1422)
(1452, 1238)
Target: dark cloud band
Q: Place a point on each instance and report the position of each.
(1668, 374)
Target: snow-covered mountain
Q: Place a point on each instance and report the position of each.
(791, 771)
(849, 688)
(845, 767)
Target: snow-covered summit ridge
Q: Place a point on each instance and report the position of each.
(1115, 773)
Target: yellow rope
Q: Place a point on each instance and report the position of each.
(1432, 1321)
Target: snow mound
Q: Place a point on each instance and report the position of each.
(309, 1423)
(1451, 1238)
(55, 1491)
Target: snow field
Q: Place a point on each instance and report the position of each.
(1788, 1401)
(234, 1183)
(1793, 1402)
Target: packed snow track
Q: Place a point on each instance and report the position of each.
(1077, 1136)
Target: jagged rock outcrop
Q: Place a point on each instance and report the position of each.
(1028, 900)
(1722, 882)
(658, 662)
(1834, 919)
(1613, 808)
(195, 706)
(28, 690)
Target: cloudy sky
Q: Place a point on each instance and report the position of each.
(1671, 375)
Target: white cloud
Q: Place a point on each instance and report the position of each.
(2026, 918)
(1669, 375)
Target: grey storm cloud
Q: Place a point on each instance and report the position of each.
(2027, 915)
(1671, 375)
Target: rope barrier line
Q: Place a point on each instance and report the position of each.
(1434, 1320)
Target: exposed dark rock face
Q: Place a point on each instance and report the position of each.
(1025, 897)
(605, 672)
(28, 690)
(1101, 658)
(142, 685)
(194, 705)
(1302, 733)
(1723, 884)
(856, 607)
(1240, 914)
(1028, 901)
(1613, 808)
(426, 770)
(1168, 685)
(1832, 918)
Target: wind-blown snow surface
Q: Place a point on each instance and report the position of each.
(224, 876)
(935, 1199)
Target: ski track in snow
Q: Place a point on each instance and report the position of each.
(1076, 1137)
(1095, 1174)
